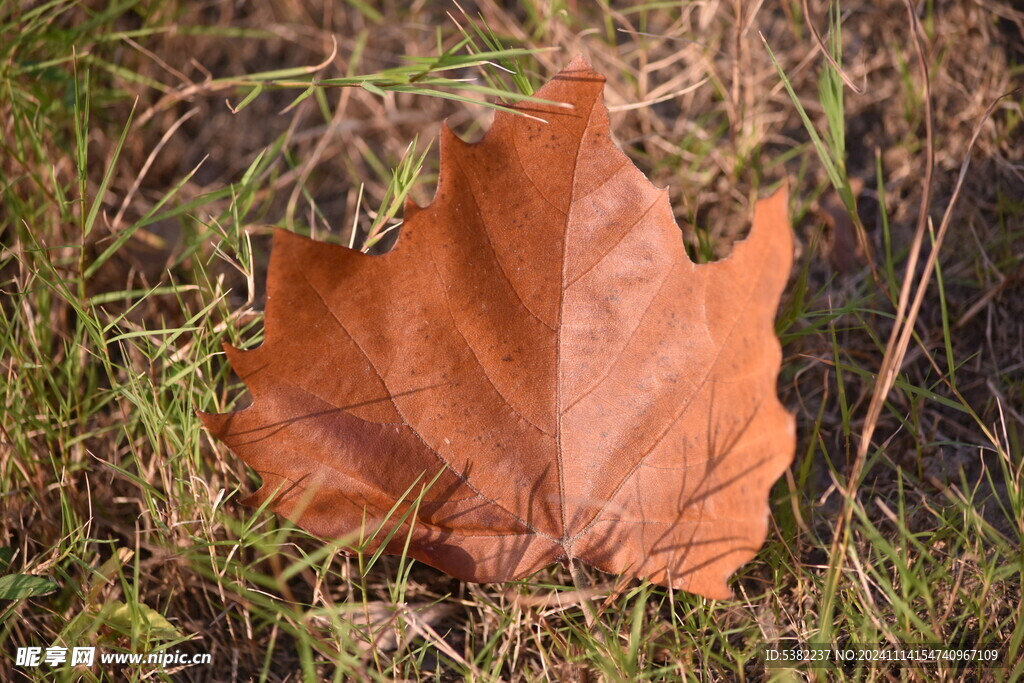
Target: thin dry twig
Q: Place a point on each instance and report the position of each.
(164, 139)
(821, 46)
(896, 347)
(903, 329)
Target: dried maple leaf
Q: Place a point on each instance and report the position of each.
(540, 343)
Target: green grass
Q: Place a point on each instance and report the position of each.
(129, 258)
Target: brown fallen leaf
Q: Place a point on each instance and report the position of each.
(539, 346)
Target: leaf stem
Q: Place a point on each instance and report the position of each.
(584, 587)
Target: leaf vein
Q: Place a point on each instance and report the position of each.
(462, 477)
